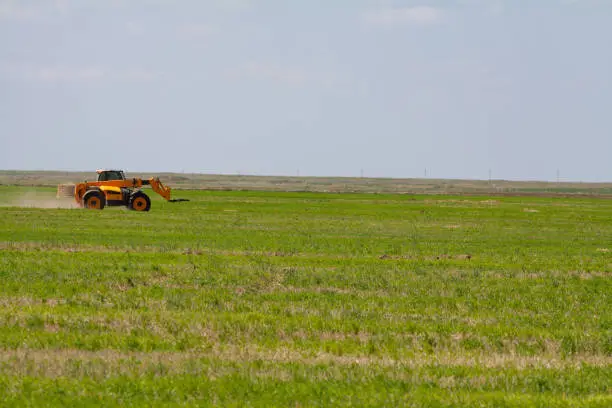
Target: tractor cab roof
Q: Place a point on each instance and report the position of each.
(105, 170)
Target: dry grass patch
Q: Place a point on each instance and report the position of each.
(64, 362)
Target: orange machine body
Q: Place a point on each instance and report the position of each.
(114, 189)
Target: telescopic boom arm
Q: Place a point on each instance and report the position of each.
(158, 187)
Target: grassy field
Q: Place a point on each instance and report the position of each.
(307, 299)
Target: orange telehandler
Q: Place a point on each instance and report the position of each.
(113, 189)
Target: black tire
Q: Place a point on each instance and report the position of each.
(94, 200)
(139, 201)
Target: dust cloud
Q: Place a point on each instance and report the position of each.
(33, 199)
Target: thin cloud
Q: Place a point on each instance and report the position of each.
(74, 74)
(63, 74)
(419, 15)
(20, 11)
(12, 10)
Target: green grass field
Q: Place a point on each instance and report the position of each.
(307, 299)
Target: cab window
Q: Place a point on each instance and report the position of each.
(111, 175)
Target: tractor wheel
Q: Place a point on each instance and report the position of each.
(139, 202)
(94, 199)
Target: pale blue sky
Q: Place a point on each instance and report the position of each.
(521, 87)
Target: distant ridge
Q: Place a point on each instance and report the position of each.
(325, 184)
